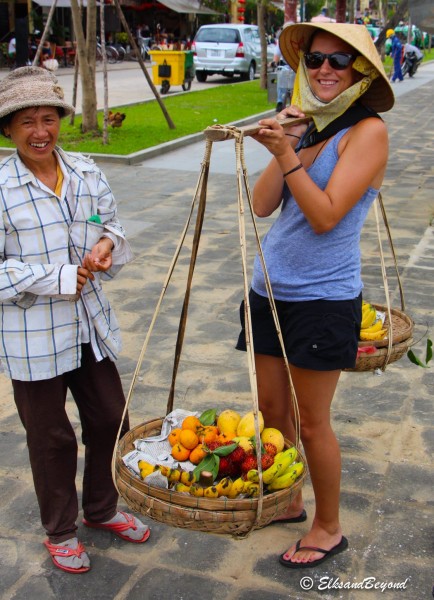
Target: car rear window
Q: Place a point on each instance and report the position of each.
(218, 35)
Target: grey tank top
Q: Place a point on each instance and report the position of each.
(303, 265)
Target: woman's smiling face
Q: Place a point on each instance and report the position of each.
(325, 82)
(34, 131)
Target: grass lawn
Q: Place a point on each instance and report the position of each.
(145, 125)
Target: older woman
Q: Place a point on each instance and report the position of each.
(323, 179)
(59, 236)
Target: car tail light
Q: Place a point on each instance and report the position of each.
(240, 50)
(193, 49)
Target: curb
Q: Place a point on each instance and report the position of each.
(142, 155)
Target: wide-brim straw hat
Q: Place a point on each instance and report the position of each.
(295, 37)
(31, 86)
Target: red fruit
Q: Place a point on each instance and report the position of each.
(238, 455)
(248, 463)
(213, 445)
(270, 449)
(226, 466)
(266, 461)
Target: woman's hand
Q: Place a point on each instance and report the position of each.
(293, 112)
(277, 139)
(100, 257)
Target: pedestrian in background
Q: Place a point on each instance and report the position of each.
(396, 54)
(59, 237)
(323, 192)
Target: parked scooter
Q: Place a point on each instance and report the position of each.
(410, 63)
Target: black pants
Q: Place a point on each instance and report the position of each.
(52, 442)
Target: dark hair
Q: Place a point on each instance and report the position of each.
(6, 120)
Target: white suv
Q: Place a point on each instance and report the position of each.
(226, 49)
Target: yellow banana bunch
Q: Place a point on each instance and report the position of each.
(367, 335)
(280, 465)
(288, 478)
(196, 490)
(369, 315)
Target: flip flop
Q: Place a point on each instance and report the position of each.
(65, 552)
(118, 528)
(343, 545)
(302, 517)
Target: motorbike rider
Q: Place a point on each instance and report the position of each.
(414, 55)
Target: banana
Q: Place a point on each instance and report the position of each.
(375, 327)
(224, 486)
(211, 492)
(145, 468)
(253, 475)
(237, 488)
(376, 335)
(369, 314)
(251, 489)
(181, 487)
(164, 470)
(196, 490)
(280, 465)
(174, 475)
(286, 480)
(187, 478)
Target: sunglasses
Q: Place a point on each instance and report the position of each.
(337, 60)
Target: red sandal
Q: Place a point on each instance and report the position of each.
(118, 528)
(64, 552)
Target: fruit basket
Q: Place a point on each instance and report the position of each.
(377, 354)
(220, 515)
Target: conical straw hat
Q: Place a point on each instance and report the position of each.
(295, 37)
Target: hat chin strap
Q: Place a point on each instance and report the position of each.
(323, 113)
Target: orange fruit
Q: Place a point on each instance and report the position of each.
(197, 454)
(179, 452)
(225, 437)
(188, 439)
(174, 436)
(208, 434)
(191, 423)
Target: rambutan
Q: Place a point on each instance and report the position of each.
(238, 455)
(266, 461)
(248, 463)
(226, 466)
(213, 445)
(270, 449)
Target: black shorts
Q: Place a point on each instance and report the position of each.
(321, 335)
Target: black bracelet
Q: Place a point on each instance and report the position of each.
(292, 135)
(299, 166)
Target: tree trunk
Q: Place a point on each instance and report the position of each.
(291, 11)
(260, 12)
(86, 50)
(341, 9)
(133, 44)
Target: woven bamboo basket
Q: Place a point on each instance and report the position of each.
(378, 356)
(220, 515)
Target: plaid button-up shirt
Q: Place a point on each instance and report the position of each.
(43, 238)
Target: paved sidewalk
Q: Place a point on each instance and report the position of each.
(384, 423)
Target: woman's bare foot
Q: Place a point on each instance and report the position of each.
(316, 538)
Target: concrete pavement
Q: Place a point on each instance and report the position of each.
(384, 423)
